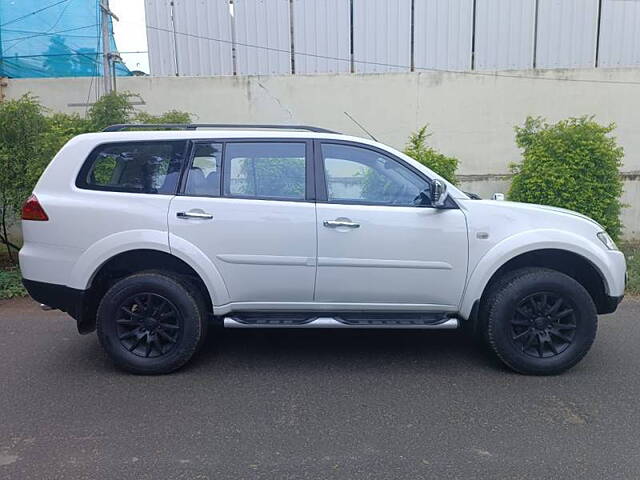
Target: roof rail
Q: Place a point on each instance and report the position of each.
(193, 126)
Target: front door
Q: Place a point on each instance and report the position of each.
(244, 204)
(374, 244)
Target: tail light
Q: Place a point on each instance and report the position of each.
(32, 210)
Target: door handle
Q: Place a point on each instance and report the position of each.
(198, 215)
(340, 223)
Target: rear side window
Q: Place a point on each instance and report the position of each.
(135, 167)
(265, 170)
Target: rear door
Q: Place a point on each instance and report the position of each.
(375, 246)
(247, 205)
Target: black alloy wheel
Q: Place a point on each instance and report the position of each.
(539, 321)
(544, 324)
(152, 322)
(150, 325)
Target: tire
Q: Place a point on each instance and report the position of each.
(151, 323)
(540, 321)
(482, 331)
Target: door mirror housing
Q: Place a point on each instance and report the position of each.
(438, 193)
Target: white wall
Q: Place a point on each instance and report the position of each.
(471, 115)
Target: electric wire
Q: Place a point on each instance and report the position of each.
(347, 60)
(390, 65)
(43, 34)
(33, 13)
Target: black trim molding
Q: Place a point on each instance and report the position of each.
(609, 304)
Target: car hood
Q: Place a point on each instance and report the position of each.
(533, 207)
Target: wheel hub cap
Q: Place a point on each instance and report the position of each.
(543, 324)
(540, 323)
(148, 325)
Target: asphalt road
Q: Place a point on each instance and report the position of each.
(316, 404)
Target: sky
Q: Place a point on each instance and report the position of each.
(130, 33)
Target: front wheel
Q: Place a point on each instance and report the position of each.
(151, 323)
(540, 321)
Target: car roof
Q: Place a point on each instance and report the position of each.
(140, 135)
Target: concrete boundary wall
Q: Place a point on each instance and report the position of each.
(471, 115)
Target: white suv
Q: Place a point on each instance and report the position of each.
(154, 236)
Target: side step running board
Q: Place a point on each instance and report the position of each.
(336, 322)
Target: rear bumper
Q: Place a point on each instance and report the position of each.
(61, 297)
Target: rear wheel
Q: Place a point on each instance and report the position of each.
(151, 323)
(540, 321)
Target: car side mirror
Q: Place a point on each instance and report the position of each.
(438, 193)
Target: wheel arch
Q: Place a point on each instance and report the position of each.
(570, 257)
(572, 264)
(128, 262)
(105, 250)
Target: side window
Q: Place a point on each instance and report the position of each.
(203, 178)
(135, 167)
(265, 170)
(360, 175)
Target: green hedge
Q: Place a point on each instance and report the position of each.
(631, 251)
(572, 164)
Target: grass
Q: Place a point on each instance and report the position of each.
(10, 280)
(632, 253)
(11, 284)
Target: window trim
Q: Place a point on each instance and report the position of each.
(309, 167)
(321, 181)
(315, 182)
(81, 183)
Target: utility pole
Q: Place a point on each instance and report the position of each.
(105, 16)
(1, 55)
(3, 80)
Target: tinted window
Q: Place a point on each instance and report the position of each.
(203, 177)
(265, 170)
(360, 175)
(138, 167)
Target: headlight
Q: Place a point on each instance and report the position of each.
(606, 239)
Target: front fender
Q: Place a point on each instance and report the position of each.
(529, 241)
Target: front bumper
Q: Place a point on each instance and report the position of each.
(610, 304)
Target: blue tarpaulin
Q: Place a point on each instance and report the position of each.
(52, 38)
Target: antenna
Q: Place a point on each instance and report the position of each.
(363, 129)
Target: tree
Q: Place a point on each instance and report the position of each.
(418, 149)
(110, 109)
(172, 116)
(22, 124)
(29, 139)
